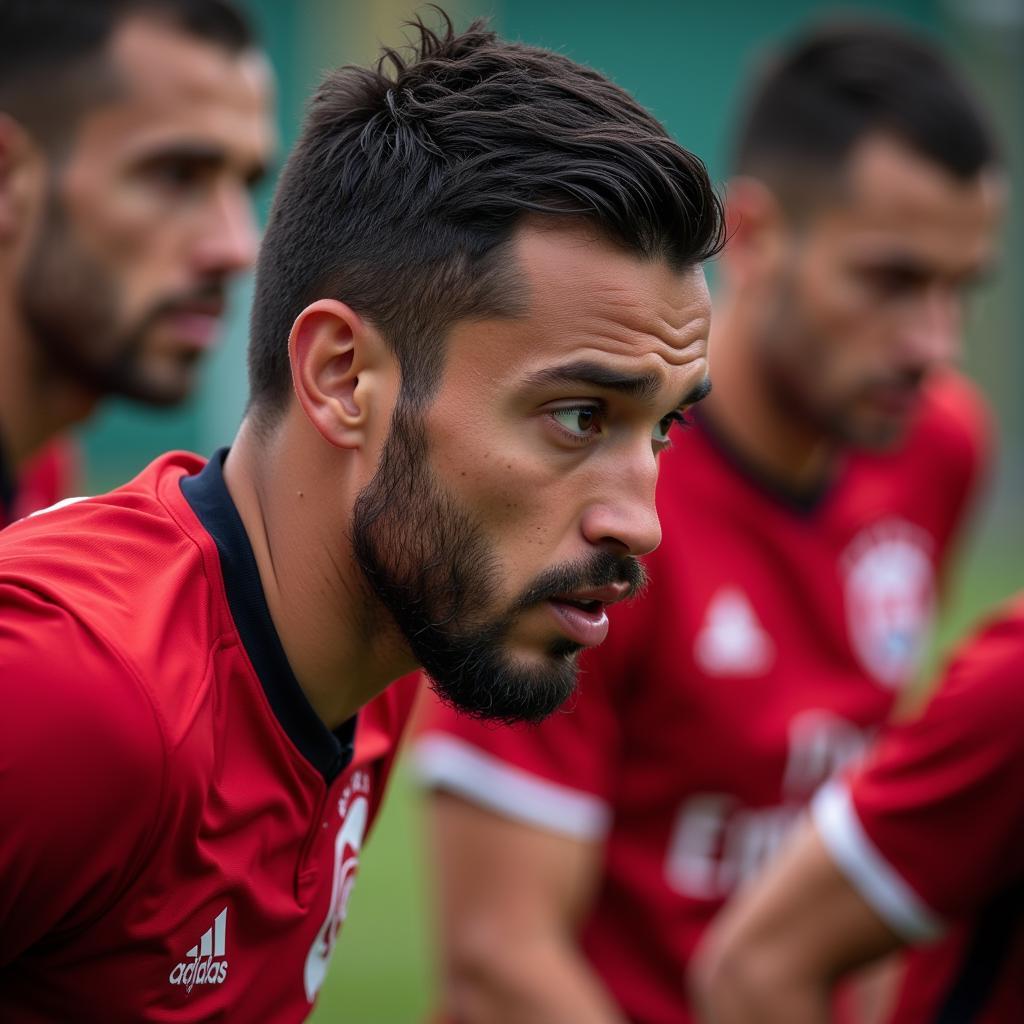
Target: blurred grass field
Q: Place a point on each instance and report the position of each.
(382, 971)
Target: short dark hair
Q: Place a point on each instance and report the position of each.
(53, 52)
(843, 80)
(410, 178)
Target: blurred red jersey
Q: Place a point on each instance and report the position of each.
(49, 476)
(187, 829)
(772, 641)
(930, 831)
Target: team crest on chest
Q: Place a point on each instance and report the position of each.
(889, 594)
(732, 641)
(354, 811)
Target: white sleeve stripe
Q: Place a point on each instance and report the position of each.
(868, 871)
(444, 762)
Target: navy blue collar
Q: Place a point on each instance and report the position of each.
(804, 503)
(329, 752)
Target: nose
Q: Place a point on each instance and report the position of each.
(933, 331)
(228, 238)
(623, 515)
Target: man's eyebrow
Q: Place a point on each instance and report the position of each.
(636, 385)
(701, 391)
(177, 149)
(642, 386)
(203, 154)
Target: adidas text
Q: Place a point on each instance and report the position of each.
(205, 962)
(202, 972)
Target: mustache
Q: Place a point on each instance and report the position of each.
(907, 380)
(599, 570)
(213, 291)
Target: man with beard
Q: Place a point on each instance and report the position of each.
(472, 331)
(807, 514)
(130, 134)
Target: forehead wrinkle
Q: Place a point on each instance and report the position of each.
(643, 317)
(607, 299)
(610, 330)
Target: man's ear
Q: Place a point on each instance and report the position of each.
(20, 159)
(756, 226)
(340, 373)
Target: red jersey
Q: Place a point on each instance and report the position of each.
(49, 476)
(772, 641)
(181, 829)
(930, 831)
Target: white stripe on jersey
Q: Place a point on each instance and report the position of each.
(866, 868)
(443, 762)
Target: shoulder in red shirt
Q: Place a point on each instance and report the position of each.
(189, 830)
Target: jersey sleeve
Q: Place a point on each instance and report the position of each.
(929, 827)
(558, 775)
(81, 773)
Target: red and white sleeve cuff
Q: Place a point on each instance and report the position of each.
(867, 869)
(444, 762)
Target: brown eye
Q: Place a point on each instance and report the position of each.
(580, 421)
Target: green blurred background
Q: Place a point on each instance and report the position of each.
(684, 61)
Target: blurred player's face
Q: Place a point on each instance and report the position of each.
(149, 215)
(868, 294)
(506, 516)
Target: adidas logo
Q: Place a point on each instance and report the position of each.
(204, 963)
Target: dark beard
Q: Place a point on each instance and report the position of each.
(69, 304)
(791, 372)
(431, 567)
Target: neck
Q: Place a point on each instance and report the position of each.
(282, 486)
(751, 415)
(36, 403)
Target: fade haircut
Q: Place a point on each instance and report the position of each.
(54, 62)
(409, 180)
(842, 81)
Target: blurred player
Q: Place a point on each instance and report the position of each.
(925, 839)
(130, 133)
(807, 515)
(471, 333)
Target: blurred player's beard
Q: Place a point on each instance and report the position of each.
(431, 567)
(70, 305)
(794, 362)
